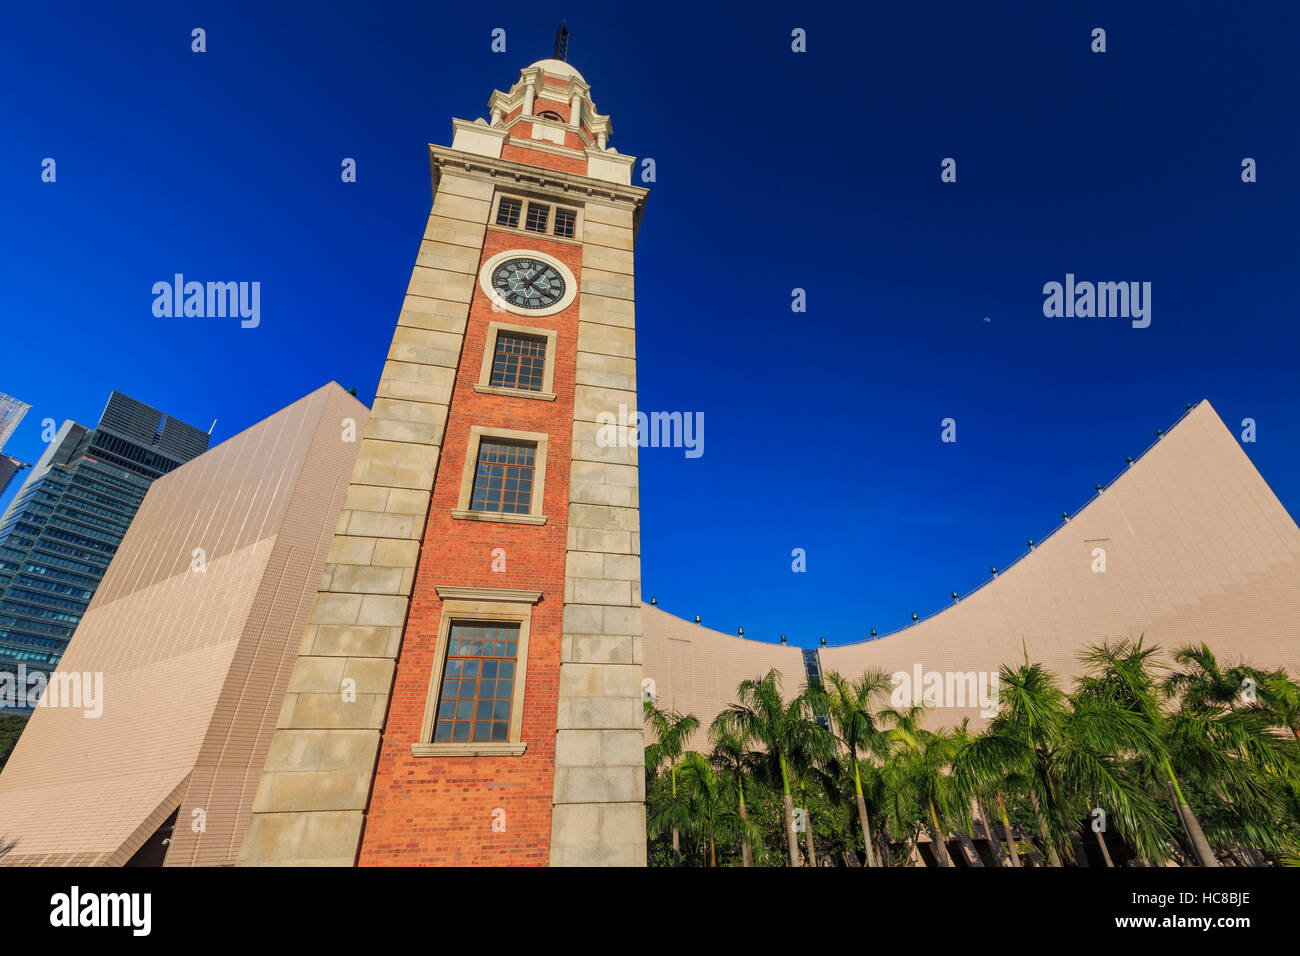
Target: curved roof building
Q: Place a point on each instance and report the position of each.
(1187, 545)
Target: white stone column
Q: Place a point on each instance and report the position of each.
(598, 818)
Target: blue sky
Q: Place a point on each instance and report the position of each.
(775, 170)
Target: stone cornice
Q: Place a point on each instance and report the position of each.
(622, 159)
(490, 170)
(479, 127)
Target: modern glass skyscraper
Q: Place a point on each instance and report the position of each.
(11, 413)
(63, 527)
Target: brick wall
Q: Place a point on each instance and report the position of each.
(438, 810)
(544, 160)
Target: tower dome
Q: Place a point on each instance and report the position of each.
(557, 68)
(548, 109)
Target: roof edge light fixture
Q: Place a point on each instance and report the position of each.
(913, 617)
(783, 640)
(822, 641)
(697, 619)
(993, 571)
(954, 597)
(654, 602)
(1030, 542)
(873, 632)
(1128, 460)
(740, 631)
(1065, 516)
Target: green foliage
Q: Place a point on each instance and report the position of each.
(1221, 740)
(11, 727)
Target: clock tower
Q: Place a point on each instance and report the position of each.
(468, 689)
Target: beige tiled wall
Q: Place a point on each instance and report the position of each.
(193, 651)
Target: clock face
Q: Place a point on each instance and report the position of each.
(527, 283)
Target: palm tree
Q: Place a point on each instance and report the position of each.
(1012, 852)
(785, 729)
(807, 821)
(1020, 745)
(904, 816)
(1244, 771)
(988, 790)
(921, 759)
(672, 731)
(849, 706)
(1281, 698)
(1204, 682)
(872, 775)
(1222, 738)
(1095, 763)
(962, 803)
(703, 809)
(733, 759)
(1123, 686)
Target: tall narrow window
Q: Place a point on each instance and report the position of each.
(508, 212)
(538, 215)
(812, 666)
(503, 478)
(565, 221)
(518, 362)
(478, 685)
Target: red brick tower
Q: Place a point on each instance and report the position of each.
(468, 691)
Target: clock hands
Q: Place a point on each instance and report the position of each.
(529, 281)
